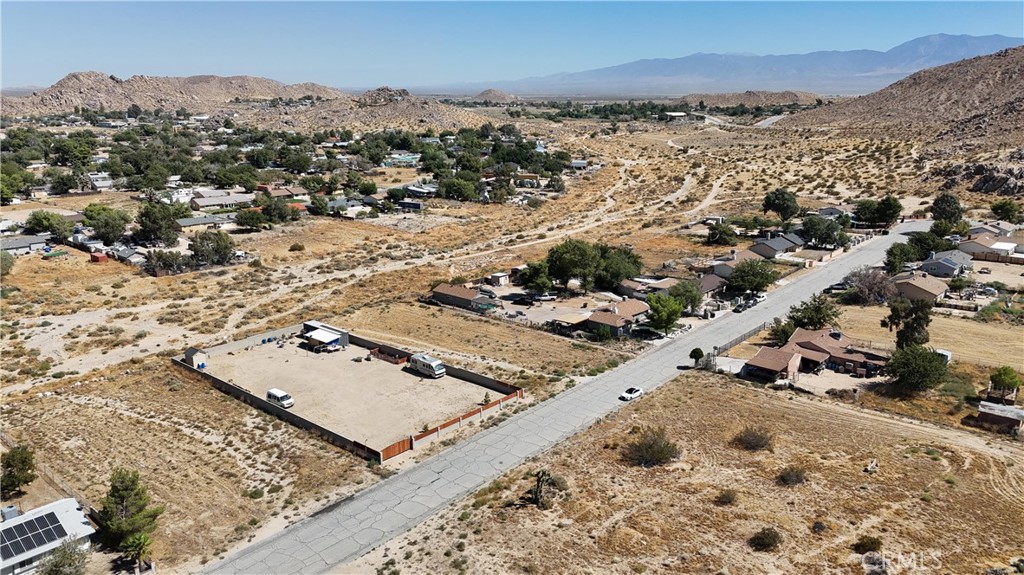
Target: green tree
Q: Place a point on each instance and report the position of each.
(573, 259)
(688, 293)
(297, 161)
(665, 311)
(869, 286)
(752, 275)
(959, 284)
(615, 264)
(318, 205)
(782, 202)
(914, 369)
(166, 261)
(696, 354)
(6, 263)
(250, 219)
(67, 559)
(535, 277)
(212, 247)
(457, 189)
(1005, 378)
(156, 221)
(396, 194)
(63, 183)
(720, 235)
(312, 183)
(815, 313)
(125, 510)
(865, 210)
(1007, 209)
(556, 184)
(823, 232)
(909, 318)
(107, 223)
(41, 221)
(898, 255)
(136, 547)
(19, 469)
(947, 207)
(888, 210)
(780, 332)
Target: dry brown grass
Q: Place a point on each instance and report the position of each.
(931, 495)
(196, 449)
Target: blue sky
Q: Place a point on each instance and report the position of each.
(404, 44)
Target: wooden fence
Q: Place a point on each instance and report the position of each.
(45, 471)
(478, 412)
(999, 258)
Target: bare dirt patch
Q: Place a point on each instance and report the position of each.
(611, 517)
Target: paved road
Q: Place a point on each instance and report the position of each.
(393, 506)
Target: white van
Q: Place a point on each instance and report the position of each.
(428, 366)
(278, 397)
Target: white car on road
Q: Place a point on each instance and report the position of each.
(631, 394)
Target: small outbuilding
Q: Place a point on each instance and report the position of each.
(196, 357)
(1008, 417)
(772, 364)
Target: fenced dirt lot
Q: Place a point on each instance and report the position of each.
(373, 402)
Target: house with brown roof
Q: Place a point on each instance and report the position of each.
(772, 364)
(618, 325)
(829, 348)
(461, 296)
(631, 309)
(710, 284)
(724, 267)
(919, 285)
(632, 288)
(662, 286)
(987, 244)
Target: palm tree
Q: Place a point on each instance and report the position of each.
(136, 548)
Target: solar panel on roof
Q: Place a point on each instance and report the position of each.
(59, 530)
(30, 534)
(6, 552)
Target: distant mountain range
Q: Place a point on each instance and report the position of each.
(830, 72)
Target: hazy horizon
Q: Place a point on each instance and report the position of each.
(363, 45)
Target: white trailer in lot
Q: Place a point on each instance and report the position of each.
(428, 366)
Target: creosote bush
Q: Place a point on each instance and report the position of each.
(754, 439)
(867, 544)
(767, 539)
(726, 497)
(652, 447)
(792, 475)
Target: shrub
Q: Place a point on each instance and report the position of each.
(652, 447)
(754, 439)
(767, 539)
(792, 475)
(867, 544)
(297, 248)
(726, 497)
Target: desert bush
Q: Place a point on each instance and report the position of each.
(754, 439)
(651, 448)
(767, 539)
(726, 497)
(867, 544)
(792, 475)
(297, 248)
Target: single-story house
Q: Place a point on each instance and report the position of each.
(570, 322)
(710, 284)
(222, 202)
(461, 296)
(202, 223)
(20, 245)
(919, 285)
(987, 244)
(772, 364)
(661, 286)
(100, 181)
(632, 309)
(772, 248)
(29, 538)
(126, 255)
(836, 211)
(209, 193)
(947, 264)
(618, 325)
(288, 193)
(422, 190)
(578, 164)
(632, 288)
(797, 241)
(723, 267)
(830, 348)
(996, 228)
(414, 205)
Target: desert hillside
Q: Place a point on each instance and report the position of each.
(96, 89)
(751, 98)
(954, 106)
(495, 96)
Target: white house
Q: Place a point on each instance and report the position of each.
(28, 538)
(100, 181)
(987, 244)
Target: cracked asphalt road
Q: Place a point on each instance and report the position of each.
(395, 505)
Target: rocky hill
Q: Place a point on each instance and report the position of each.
(492, 95)
(751, 98)
(195, 93)
(974, 104)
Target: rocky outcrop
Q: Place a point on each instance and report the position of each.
(382, 96)
(982, 178)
